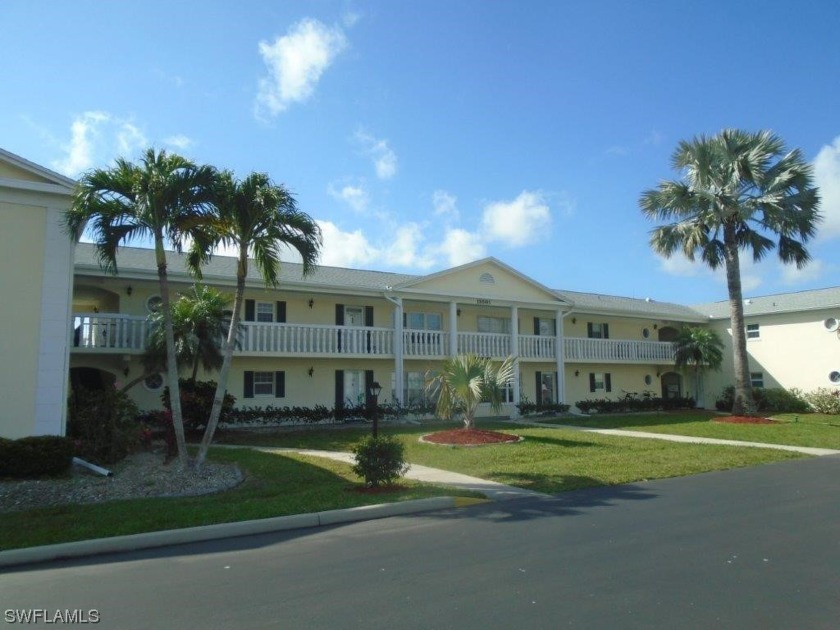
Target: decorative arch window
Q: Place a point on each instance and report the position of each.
(487, 278)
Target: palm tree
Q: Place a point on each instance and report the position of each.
(466, 380)
(255, 216)
(700, 348)
(200, 319)
(739, 191)
(166, 197)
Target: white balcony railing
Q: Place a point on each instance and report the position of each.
(104, 332)
(109, 332)
(618, 350)
(295, 339)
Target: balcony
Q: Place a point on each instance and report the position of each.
(114, 333)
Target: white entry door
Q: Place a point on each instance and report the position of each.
(354, 387)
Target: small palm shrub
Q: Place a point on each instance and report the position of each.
(103, 424)
(197, 401)
(380, 461)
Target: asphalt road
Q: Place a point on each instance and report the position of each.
(754, 548)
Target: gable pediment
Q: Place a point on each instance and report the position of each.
(487, 279)
(17, 172)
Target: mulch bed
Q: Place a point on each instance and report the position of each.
(469, 437)
(744, 420)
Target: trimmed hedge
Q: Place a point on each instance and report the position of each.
(630, 404)
(527, 408)
(773, 399)
(35, 456)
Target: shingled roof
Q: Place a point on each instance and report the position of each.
(815, 299)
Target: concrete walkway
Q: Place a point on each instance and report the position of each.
(491, 489)
(807, 450)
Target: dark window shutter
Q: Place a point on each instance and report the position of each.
(368, 316)
(606, 329)
(280, 384)
(248, 387)
(281, 312)
(539, 388)
(536, 325)
(368, 383)
(250, 310)
(589, 329)
(607, 382)
(405, 320)
(339, 314)
(592, 381)
(339, 394)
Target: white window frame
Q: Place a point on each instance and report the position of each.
(264, 312)
(753, 331)
(159, 387)
(600, 381)
(598, 330)
(354, 310)
(757, 380)
(263, 384)
(423, 321)
(493, 325)
(354, 380)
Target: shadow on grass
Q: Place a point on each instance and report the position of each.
(562, 442)
(632, 420)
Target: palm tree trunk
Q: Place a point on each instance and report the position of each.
(230, 342)
(171, 362)
(744, 404)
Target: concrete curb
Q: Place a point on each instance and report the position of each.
(166, 538)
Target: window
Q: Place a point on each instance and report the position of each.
(600, 382)
(544, 327)
(153, 382)
(265, 312)
(834, 377)
(646, 333)
(415, 388)
(498, 325)
(595, 330)
(757, 379)
(487, 278)
(153, 303)
(546, 384)
(264, 383)
(423, 321)
(753, 331)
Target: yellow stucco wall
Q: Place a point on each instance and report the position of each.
(22, 244)
(13, 172)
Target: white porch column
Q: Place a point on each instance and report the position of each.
(514, 350)
(453, 329)
(399, 376)
(560, 356)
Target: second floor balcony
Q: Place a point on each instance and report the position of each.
(122, 334)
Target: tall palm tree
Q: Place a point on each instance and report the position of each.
(739, 191)
(200, 319)
(254, 216)
(466, 380)
(701, 349)
(164, 196)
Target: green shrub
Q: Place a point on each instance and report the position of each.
(773, 399)
(103, 424)
(824, 400)
(380, 460)
(527, 408)
(35, 456)
(634, 403)
(197, 402)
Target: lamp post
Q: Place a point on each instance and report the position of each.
(374, 390)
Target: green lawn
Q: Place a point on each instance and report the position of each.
(550, 459)
(817, 430)
(275, 486)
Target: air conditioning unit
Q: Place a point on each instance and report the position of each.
(831, 324)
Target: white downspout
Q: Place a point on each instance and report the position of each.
(398, 348)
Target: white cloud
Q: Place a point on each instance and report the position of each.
(445, 204)
(96, 137)
(679, 265)
(516, 223)
(404, 250)
(345, 249)
(383, 156)
(179, 141)
(460, 247)
(617, 150)
(295, 63)
(827, 178)
(354, 196)
(810, 272)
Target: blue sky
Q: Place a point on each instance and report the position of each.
(423, 135)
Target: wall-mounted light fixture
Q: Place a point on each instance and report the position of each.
(657, 373)
(129, 290)
(458, 312)
(126, 371)
(310, 371)
(577, 372)
(311, 302)
(574, 320)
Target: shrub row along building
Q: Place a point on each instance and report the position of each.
(323, 339)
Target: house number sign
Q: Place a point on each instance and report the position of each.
(483, 302)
